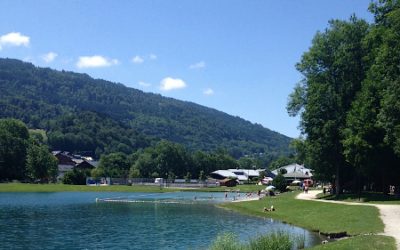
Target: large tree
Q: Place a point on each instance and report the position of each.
(386, 71)
(372, 136)
(333, 70)
(14, 137)
(40, 163)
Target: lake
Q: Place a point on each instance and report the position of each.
(74, 220)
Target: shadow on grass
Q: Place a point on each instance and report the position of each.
(364, 197)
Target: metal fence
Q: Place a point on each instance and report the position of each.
(179, 183)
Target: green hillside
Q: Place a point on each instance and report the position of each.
(80, 113)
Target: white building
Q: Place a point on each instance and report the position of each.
(242, 175)
(294, 172)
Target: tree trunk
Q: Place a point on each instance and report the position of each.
(337, 181)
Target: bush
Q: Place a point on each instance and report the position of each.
(75, 177)
(280, 183)
(226, 241)
(273, 241)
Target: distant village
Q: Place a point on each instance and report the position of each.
(293, 173)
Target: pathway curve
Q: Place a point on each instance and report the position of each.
(390, 214)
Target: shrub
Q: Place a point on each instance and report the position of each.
(280, 182)
(226, 241)
(273, 241)
(76, 177)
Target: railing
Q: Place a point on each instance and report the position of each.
(179, 183)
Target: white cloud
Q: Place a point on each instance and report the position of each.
(137, 60)
(169, 83)
(198, 65)
(14, 39)
(49, 57)
(152, 57)
(208, 91)
(95, 62)
(144, 84)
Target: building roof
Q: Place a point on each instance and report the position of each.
(294, 168)
(225, 173)
(85, 164)
(247, 172)
(296, 175)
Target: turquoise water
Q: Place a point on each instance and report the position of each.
(73, 220)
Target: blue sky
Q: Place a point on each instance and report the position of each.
(235, 56)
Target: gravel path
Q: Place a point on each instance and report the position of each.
(390, 214)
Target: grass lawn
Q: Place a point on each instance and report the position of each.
(368, 197)
(372, 242)
(326, 218)
(23, 187)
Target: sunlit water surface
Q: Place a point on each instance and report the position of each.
(73, 220)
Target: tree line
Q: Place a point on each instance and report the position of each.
(348, 101)
(170, 161)
(24, 155)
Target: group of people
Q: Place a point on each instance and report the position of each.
(271, 209)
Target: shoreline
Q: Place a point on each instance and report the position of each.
(389, 214)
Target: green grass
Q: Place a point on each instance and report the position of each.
(272, 241)
(371, 242)
(23, 187)
(367, 197)
(326, 218)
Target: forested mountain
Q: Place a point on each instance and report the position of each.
(80, 113)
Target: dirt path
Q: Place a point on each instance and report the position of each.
(390, 214)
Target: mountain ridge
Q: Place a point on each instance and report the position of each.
(44, 97)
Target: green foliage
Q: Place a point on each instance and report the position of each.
(188, 177)
(24, 187)
(134, 172)
(167, 158)
(171, 176)
(14, 137)
(348, 101)
(280, 182)
(40, 163)
(76, 177)
(23, 154)
(97, 172)
(246, 163)
(115, 165)
(281, 161)
(82, 114)
(202, 176)
(300, 150)
(272, 241)
(227, 241)
(333, 70)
